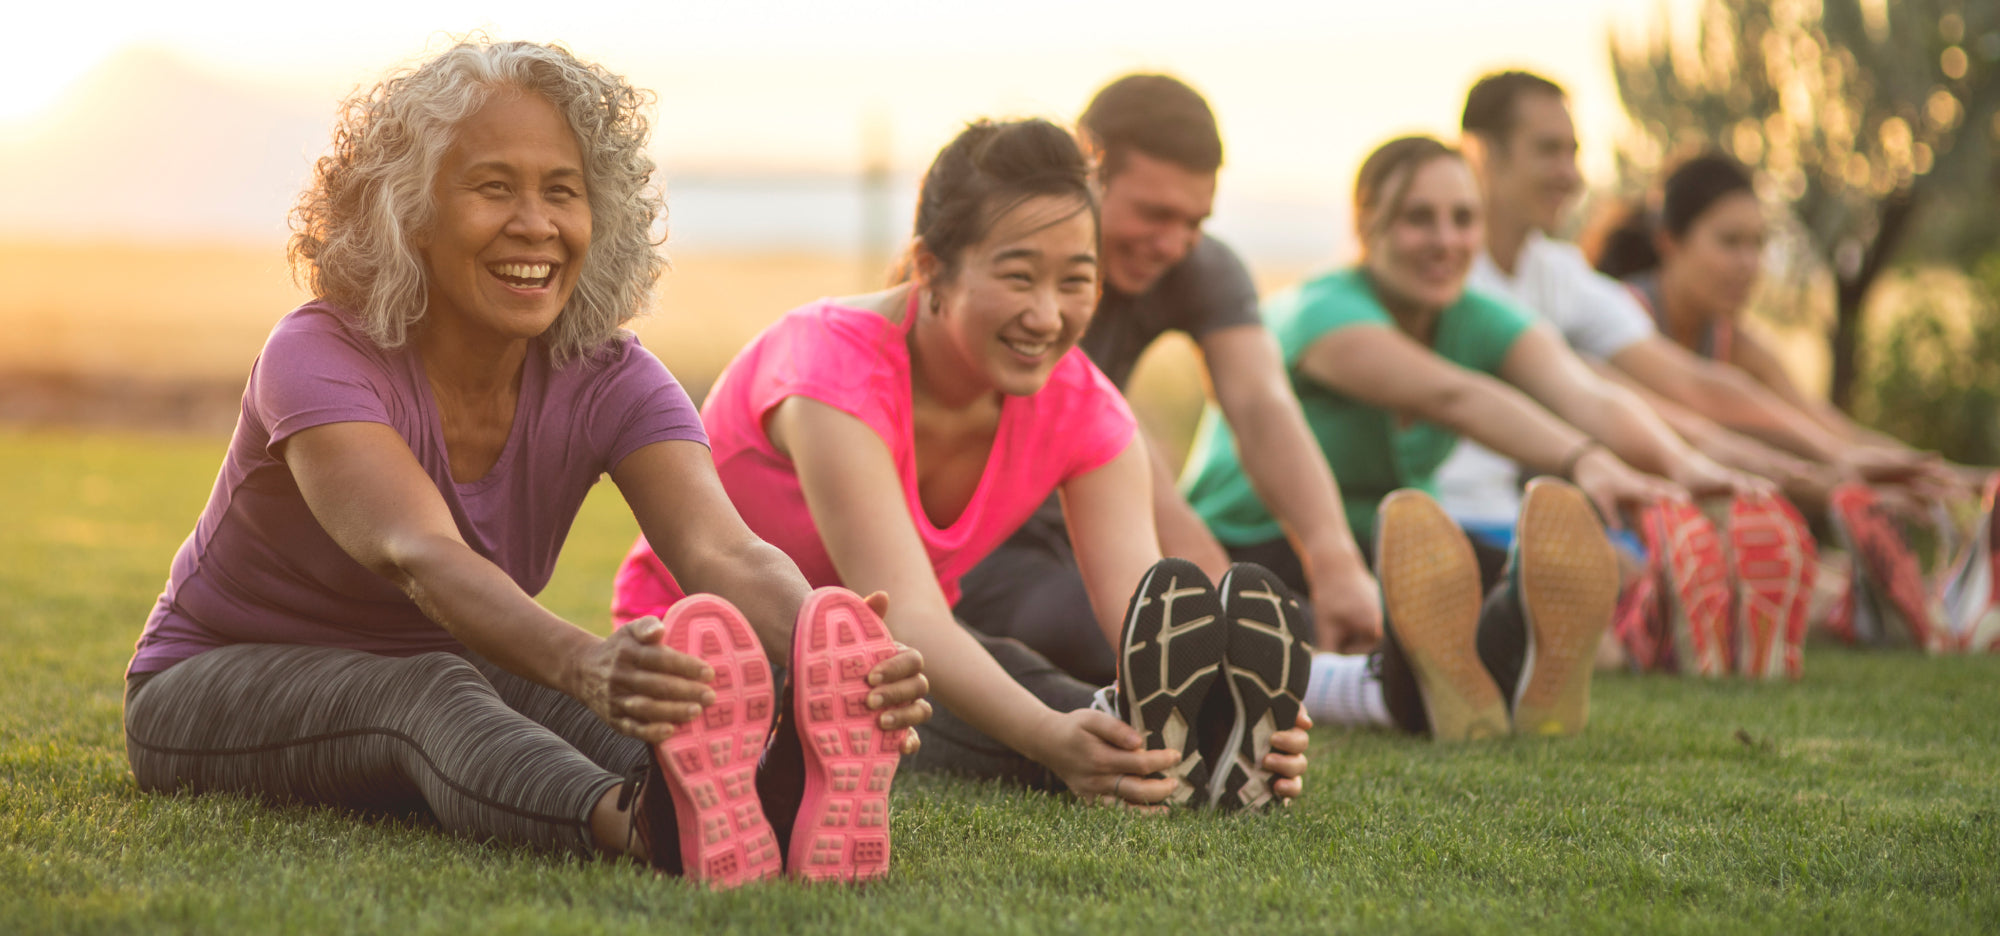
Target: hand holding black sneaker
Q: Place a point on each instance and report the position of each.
(1238, 737)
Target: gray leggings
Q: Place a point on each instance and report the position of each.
(490, 754)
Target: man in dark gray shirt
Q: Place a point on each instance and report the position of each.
(1158, 151)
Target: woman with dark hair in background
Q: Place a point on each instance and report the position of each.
(890, 441)
(1393, 361)
(1695, 263)
(352, 620)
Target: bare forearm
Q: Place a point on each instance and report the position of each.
(484, 609)
(1291, 477)
(1619, 419)
(762, 582)
(1505, 420)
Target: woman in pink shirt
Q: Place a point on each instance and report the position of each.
(889, 441)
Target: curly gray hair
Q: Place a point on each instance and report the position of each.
(355, 226)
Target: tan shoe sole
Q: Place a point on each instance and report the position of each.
(1430, 589)
(1569, 589)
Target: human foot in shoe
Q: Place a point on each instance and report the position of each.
(709, 765)
(1772, 557)
(1565, 577)
(1168, 661)
(1885, 569)
(1430, 596)
(1267, 664)
(1693, 588)
(842, 832)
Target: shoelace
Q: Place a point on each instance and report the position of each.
(636, 781)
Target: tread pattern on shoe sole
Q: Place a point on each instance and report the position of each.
(710, 763)
(1773, 572)
(1569, 588)
(1697, 592)
(1269, 661)
(1173, 646)
(1430, 590)
(843, 825)
(1885, 560)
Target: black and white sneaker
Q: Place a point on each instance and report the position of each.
(1167, 662)
(1268, 661)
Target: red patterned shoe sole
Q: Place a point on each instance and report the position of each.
(1697, 590)
(711, 763)
(1883, 556)
(843, 828)
(1774, 570)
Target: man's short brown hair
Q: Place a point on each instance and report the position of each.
(1153, 114)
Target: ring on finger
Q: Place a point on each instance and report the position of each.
(1115, 787)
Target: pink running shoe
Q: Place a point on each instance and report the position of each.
(1774, 561)
(1904, 611)
(710, 764)
(843, 828)
(1694, 586)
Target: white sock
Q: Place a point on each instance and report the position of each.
(1343, 692)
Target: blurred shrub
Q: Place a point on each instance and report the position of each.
(1935, 379)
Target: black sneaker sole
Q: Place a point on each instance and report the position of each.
(1268, 663)
(1169, 658)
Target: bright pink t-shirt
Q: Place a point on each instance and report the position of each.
(858, 362)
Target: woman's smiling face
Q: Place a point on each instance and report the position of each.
(513, 219)
(1021, 297)
(1422, 251)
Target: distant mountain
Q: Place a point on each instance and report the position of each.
(149, 147)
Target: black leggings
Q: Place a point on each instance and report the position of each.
(490, 754)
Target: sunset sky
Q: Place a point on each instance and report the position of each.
(1302, 89)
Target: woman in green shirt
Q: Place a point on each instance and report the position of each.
(1393, 361)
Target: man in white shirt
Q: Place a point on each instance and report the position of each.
(1521, 143)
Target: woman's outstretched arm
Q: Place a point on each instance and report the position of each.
(1383, 367)
(689, 521)
(857, 502)
(366, 489)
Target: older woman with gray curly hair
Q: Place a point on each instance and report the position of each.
(351, 621)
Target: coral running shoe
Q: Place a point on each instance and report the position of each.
(1694, 586)
(842, 832)
(1430, 596)
(1902, 611)
(1971, 600)
(1773, 560)
(710, 764)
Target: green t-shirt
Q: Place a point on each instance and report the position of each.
(1369, 453)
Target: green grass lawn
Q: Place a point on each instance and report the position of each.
(1865, 799)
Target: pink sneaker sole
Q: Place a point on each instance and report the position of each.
(1774, 565)
(711, 763)
(843, 828)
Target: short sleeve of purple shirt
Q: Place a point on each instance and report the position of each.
(258, 567)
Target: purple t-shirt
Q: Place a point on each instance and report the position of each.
(258, 567)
